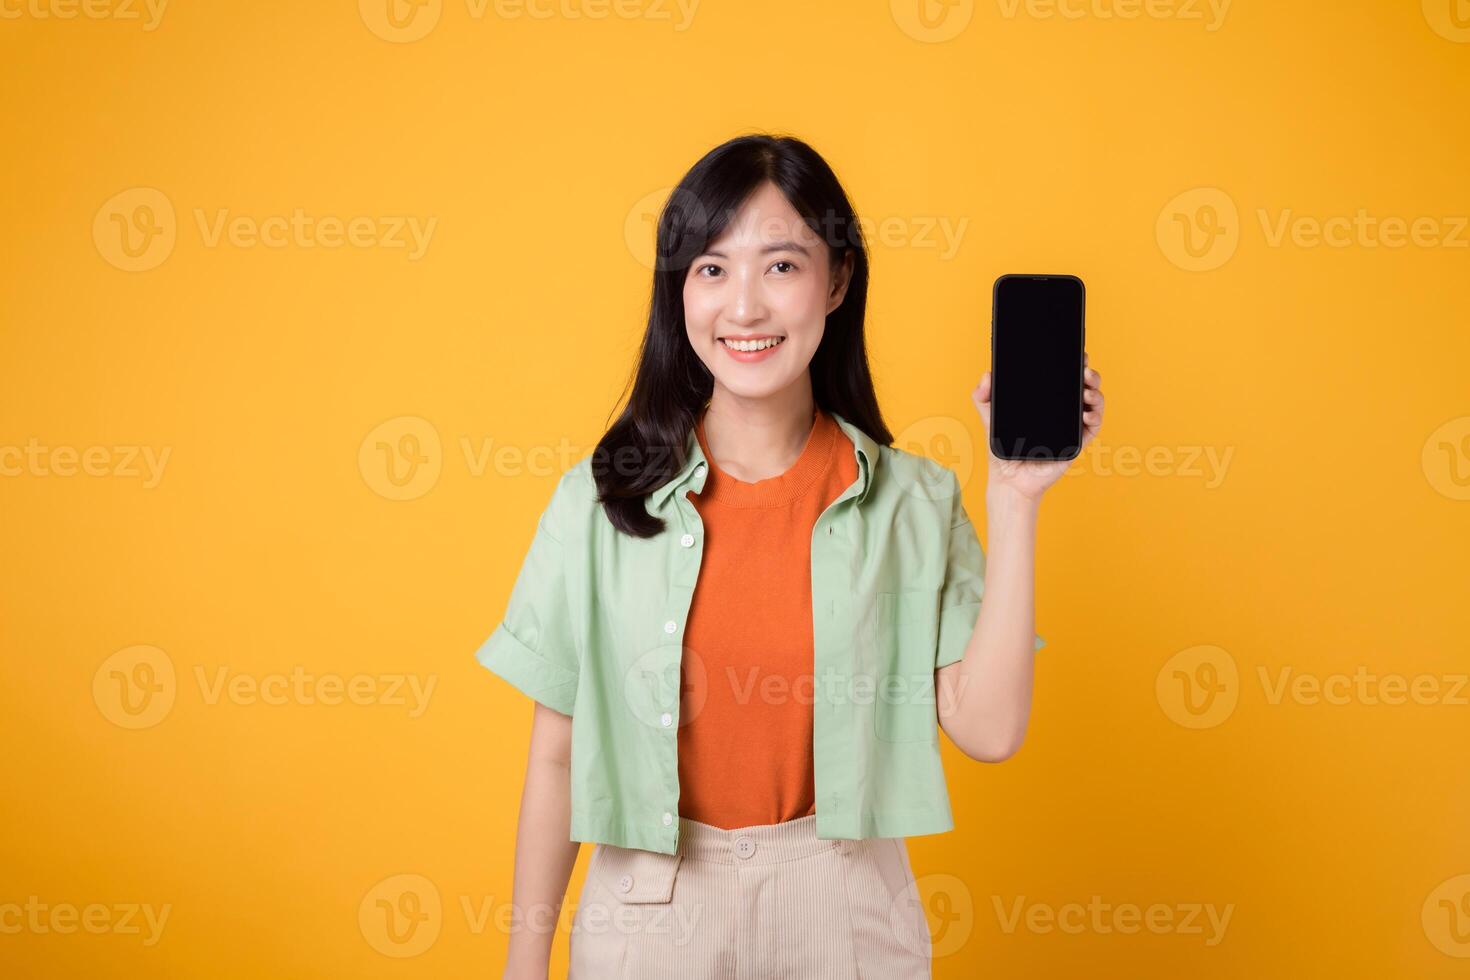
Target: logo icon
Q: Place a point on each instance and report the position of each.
(640, 228)
(1446, 916)
(1199, 229)
(401, 915)
(402, 458)
(932, 21)
(1446, 458)
(135, 687)
(400, 21)
(1198, 687)
(135, 230)
(1450, 19)
(946, 441)
(933, 915)
(667, 685)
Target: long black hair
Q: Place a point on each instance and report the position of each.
(647, 444)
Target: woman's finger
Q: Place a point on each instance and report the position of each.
(981, 397)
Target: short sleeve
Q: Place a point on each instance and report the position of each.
(534, 647)
(964, 584)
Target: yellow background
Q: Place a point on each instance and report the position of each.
(1334, 540)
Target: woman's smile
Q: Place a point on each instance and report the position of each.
(751, 348)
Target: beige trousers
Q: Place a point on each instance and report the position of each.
(770, 902)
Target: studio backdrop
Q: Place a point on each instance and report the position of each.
(305, 308)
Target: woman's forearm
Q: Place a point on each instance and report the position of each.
(985, 698)
(545, 855)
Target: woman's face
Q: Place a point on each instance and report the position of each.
(765, 284)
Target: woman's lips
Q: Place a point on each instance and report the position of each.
(749, 356)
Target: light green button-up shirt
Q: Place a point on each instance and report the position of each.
(595, 624)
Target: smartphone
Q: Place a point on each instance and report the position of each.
(1036, 346)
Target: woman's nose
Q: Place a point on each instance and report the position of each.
(747, 305)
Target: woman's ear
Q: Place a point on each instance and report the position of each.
(841, 276)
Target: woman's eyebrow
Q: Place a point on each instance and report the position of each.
(773, 247)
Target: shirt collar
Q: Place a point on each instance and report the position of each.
(864, 447)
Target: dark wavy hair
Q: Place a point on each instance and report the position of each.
(647, 443)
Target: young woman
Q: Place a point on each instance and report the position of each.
(745, 616)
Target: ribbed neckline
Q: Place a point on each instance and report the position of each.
(776, 491)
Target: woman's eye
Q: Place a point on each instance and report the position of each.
(785, 263)
(705, 268)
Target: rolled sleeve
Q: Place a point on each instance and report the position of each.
(534, 647)
(964, 585)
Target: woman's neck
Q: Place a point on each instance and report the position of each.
(753, 439)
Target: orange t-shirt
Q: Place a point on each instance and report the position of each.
(746, 693)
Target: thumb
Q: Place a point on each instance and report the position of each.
(981, 397)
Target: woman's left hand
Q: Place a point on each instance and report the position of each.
(1031, 477)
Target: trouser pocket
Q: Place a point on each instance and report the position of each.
(890, 932)
(623, 927)
(910, 924)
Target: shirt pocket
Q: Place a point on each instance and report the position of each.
(908, 636)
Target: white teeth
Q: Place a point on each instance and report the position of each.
(751, 345)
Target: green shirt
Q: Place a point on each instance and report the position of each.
(595, 624)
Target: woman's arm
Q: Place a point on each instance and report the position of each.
(985, 697)
(545, 855)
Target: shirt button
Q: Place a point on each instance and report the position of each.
(625, 883)
(699, 470)
(667, 719)
(687, 540)
(744, 846)
(668, 819)
(670, 626)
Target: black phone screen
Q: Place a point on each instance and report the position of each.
(1036, 364)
